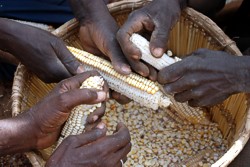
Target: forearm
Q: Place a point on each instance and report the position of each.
(6, 33)
(16, 135)
(13, 34)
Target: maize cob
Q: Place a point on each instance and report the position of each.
(135, 87)
(193, 115)
(143, 91)
(158, 63)
(77, 119)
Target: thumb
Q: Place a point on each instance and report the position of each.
(91, 136)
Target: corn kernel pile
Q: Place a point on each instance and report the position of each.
(158, 140)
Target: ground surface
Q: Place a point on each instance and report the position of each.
(5, 112)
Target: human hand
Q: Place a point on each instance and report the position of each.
(50, 113)
(157, 17)
(206, 77)
(40, 51)
(93, 148)
(98, 32)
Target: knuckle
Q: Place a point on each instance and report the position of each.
(63, 102)
(135, 14)
(90, 94)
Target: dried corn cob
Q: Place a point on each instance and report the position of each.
(77, 119)
(193, 115)
(158, 63)
(138, 88)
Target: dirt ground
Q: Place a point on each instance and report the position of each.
(14, 160)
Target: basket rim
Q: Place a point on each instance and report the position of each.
(220, 36)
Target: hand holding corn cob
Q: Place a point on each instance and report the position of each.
(93, 148)
(98, 32)
(51, 113)
(156, 17)
(206, 77)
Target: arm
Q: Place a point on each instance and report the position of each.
(40, 51)
(13, 134)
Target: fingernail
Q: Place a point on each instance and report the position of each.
(95, 117)
(135, 57)
(80, 69)
(126, 69)
(101, 125)
(158, 52)
(101, 96)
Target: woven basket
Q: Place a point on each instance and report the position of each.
(192, 31)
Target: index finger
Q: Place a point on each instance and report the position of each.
(132, 25)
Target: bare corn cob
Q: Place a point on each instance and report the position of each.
(77, 119)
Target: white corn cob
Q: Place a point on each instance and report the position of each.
(78, 116)
(158, 63)
(134, 86)
(137, 88)
(194, 115)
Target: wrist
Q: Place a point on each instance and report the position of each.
(85, 9)
(17, 134)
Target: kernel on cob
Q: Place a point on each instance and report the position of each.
(134, 86)
(143, 91)
(78, 116)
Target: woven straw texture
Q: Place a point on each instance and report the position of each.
(192, 31)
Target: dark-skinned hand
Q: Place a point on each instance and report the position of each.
(40, 51)
(93, 149)
(98, 32)
(157, 17)
(51, 113)
(206, 77)
(98, 36)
